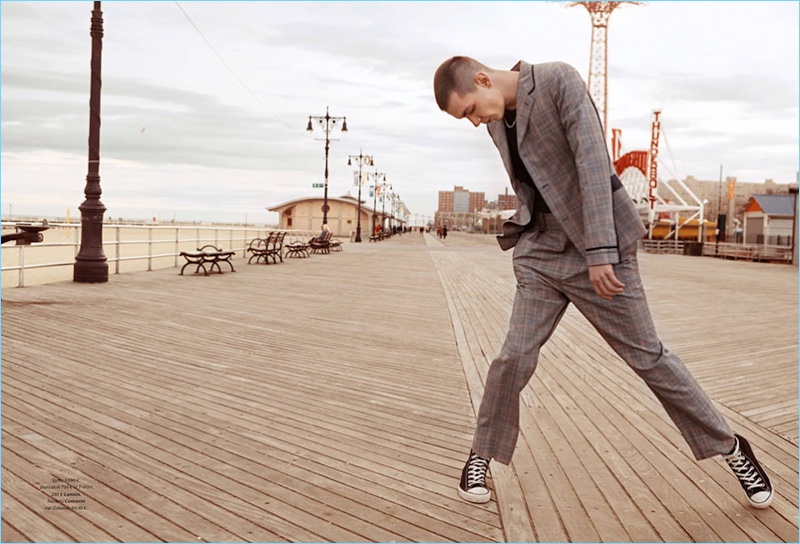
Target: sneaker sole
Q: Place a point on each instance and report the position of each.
(475, 499)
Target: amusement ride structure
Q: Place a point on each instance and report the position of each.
(657, 200)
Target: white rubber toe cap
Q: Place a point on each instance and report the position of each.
(478, 495)
(761, 499)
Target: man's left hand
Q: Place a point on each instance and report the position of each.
(604, 281)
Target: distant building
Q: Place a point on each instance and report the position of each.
(446, 201)
(768, 219)
(459, 208)
(507, 201)
(305, 213)
(718, 193)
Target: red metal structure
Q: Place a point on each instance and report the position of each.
(600, 12)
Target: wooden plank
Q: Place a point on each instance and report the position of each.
(26, 520)
(517, 525)
(32, 463)
(473, 309)
(11, 534)
(365, 437)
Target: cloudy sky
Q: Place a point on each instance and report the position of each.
(217, 132)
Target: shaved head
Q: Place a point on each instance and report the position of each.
(455, 75)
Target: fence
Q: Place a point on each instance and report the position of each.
(775, 240)
(750, 252)
(663, 246)
(149, 246)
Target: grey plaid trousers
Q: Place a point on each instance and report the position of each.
(551, 273)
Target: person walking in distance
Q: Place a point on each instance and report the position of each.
(574, 235)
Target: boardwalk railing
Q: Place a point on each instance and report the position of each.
(145, 243)
(749, 252)
(663, 246)
(725, 250)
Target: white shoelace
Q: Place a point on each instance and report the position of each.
(476, 471)
(745, 471)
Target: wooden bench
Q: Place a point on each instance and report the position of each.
(258, 248)
(321, 245)
(275, 247)
(297, 249)
(266, 248)
(210, 255)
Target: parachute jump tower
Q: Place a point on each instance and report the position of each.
(600, 12)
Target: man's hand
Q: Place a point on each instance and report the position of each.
(604, 281)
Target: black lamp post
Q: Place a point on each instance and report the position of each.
(383, 205)
(392, 199)
(363, 160)
(375, 177)
(91, 265)
(327, 123)
(395, 209)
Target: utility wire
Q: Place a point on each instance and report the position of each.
(231, 70)
(242, 83)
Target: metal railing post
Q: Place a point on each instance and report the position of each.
(118, 252)
(21, 282)
(150, 249)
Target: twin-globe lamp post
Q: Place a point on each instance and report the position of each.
(327, 124)
(377, 187)
(383, 204)
(363, 160)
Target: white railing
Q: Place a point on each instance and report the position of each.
(154, 244)
(749, 252)
(663, 246)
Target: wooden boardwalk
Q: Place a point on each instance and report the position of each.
(332, 399)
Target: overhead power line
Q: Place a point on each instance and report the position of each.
(242, 83)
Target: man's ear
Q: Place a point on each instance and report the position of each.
(482, 79)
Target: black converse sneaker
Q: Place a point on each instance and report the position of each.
(473, 480)
(751, 475)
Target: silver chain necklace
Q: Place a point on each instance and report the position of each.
(512, 125)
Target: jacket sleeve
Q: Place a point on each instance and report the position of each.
(584, 133)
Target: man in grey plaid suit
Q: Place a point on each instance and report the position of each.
(574, 235)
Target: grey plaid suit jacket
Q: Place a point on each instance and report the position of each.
(561, 143)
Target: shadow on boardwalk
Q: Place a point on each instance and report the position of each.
(331, 399)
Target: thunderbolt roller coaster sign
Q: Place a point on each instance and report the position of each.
(654, 158)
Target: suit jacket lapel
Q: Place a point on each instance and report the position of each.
(524, 99)
(497, 129)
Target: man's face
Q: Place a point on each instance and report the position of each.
(482, 105)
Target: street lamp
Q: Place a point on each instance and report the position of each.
(375, 177)
(327, 124)
(91, 265)
(394, 197)
(362, 161)
(383, 206)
